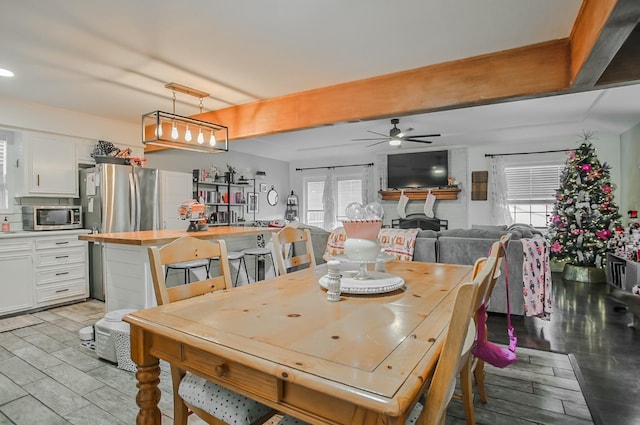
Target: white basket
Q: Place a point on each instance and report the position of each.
(122, 339)
(105, 346)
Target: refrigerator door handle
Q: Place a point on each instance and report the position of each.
(136, 180)
(132, 203)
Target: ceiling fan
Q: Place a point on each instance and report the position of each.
(397, 136)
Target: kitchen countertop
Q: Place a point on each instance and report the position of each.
(33, 234)
(154, 237)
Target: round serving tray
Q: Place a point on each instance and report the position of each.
(379, 283)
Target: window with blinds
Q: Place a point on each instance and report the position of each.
(531, 192)
(347, 191)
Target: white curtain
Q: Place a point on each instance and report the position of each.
(328, 203)
(498, 192)
(366, 181)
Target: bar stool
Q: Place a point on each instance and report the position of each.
(235, 256)
(260, 252)
(187, 266)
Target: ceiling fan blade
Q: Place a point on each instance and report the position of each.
(375, 138)
(425, 135)
(377, 143)
(417, 141)
(379, 134)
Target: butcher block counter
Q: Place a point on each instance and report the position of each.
(161, 237)
(126, 272)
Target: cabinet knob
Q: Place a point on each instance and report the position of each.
(222, 370)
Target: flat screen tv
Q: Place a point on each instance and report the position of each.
(421, 169)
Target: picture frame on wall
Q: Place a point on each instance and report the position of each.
(263, 187)
(252, 202)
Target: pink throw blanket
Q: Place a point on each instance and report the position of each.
(536, 277)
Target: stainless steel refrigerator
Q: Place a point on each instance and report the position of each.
(120, 198)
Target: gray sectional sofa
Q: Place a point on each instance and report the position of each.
(465, 246)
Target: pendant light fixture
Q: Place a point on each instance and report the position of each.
(180, 129)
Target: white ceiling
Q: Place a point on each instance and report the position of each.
(112, 59)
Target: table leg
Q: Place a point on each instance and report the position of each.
(148, 376)
(148, 395)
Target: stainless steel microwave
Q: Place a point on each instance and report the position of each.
(57, 217)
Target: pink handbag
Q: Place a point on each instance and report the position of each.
(487, 350)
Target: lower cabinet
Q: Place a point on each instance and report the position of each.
(16, 283)
(60, 269)
(41, 271)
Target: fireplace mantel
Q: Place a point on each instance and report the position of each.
(449, 194)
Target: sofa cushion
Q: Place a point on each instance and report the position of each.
(319, 239)
(489, 227)
(477, 234)
(525, 230)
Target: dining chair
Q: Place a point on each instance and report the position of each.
(475, 366)
(191, 393)
(455, 353)
(284, 252)
(498, 251)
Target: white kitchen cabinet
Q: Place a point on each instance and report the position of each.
(61, 270)
(48, 167)
(84, 149)
(16, 269)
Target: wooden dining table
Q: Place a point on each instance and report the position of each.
(365, 359)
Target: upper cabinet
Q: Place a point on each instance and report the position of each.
(48, 167)
(84, 149)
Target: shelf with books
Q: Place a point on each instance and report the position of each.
(225, 201)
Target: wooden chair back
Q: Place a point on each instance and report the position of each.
(283, 246)
(452, 356)
(188, 248)
(498, 251)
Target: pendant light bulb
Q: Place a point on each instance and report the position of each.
(159, 130)
(212, 139)
(200, 137)
(187, 135)
(174, 131)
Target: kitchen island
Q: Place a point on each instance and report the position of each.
(127, 275)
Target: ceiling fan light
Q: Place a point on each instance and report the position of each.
(395, 142)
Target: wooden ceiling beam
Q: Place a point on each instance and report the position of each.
(601, 28)
(524, 72)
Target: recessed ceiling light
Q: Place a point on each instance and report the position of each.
(5, 73)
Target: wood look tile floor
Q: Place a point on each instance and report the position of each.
(588, 324)
(46, 377)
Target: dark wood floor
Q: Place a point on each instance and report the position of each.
(586, 323)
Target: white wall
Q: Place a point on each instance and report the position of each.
(277, 172)
(464, 212)
(454, 211)
(629, 198)
(20, 115)
(607, 148)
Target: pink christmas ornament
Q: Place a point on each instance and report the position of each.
(556, 247)
(586, 167)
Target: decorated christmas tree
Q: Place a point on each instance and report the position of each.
(585, 215)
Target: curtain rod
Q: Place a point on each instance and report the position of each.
(336, 166)
(525, 153)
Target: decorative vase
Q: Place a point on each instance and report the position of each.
(362, 239)
(583, 274)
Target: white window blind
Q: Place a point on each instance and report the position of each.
(533, 183)
(347, 191)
